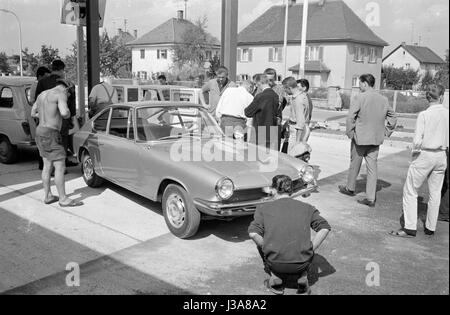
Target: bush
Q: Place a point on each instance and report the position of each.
(319, 93)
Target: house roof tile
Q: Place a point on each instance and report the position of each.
(332, 21)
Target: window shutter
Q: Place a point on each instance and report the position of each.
(354, 51)
(250, 55)
(239, 55)
(321, 53)
(158, 54)
(280, 53)
(270, 54)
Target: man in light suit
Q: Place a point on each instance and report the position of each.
(367, 128)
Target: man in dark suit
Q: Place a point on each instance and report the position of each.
(367, 128)
(265, 113)
(48, 83)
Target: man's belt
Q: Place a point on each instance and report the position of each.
(235, 117)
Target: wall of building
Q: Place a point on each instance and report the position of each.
(354, 69)
(151, 63)
(400, 59)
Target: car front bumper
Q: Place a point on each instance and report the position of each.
(222, 210)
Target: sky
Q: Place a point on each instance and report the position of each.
(411, 21)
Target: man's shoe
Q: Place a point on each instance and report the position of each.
(303, 286)
(428, 232)
(344, 190)
(365, 202)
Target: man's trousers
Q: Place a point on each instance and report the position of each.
(431, 166)
(370, 154)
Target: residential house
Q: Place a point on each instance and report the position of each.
(153, 53)
(340, 46)
(414, 57)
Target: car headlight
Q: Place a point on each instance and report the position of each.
(307, 174)
(225, 188)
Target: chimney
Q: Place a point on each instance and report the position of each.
(135, 33)
(180, 14)
(403, 43)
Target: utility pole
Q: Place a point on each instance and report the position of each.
(20, 38)
(93, 43)
(301, 71)
(285, 52)
(229, 36)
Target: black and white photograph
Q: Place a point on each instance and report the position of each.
(224, 153)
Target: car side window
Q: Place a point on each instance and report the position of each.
(6, 98)
(101, 123)
(119, 122)
(151, 95)
(28, 95)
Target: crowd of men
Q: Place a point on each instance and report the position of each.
(276, 117)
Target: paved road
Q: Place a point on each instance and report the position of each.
(123, 246)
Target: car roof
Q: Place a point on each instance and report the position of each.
(157, 104)
(156, 86)
(17, 81)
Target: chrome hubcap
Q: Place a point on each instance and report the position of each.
(176, 211)
(88, 169)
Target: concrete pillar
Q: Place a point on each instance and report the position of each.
(93, 43)
(229, 36)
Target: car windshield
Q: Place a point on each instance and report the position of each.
(169, 123)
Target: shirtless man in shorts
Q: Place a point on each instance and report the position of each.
(51, 108)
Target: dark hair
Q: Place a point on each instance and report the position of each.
(58, 65)
(304, 83)
(434, 92)
(270, 71)
(41, 71)
(222, 69)
(283, 184)
(368, 78)
(290, 82)
(162, 77)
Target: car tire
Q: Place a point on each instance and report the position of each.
(180, 213)
(87, 169)
(8, 152)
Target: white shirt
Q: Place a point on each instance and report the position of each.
(432, 129)
(233, 102)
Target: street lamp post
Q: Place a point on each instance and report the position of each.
(20, 38)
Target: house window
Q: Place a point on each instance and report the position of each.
(244, 77)
(276, 54)
(373, 55)
(208, 55)
(142, 53)
(245, 55)
(359, 53)
(314, 53)
(408, 66)
(355, 81)
(142, 75)
(162, 53)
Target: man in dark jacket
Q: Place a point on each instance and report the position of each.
(265, 113)
(282, 231)
(48, 83)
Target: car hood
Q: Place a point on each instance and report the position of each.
(244, 172)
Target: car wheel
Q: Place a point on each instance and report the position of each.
(8, 152)
(87, 168)
(180, 213)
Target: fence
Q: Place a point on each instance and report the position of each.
(400, 101)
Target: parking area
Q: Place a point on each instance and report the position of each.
(122, 244)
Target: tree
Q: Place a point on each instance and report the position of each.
(427, 79)
(189, 55)
(4, 67)
(47, 55)
(399, 78)
(30, 62)
(442, 76)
